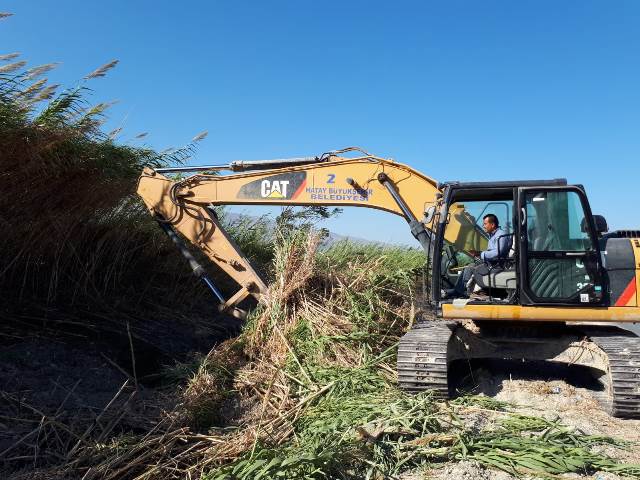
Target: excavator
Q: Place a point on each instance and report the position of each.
(557, 295)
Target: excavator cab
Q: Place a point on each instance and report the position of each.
(553, 295)
(548, 248)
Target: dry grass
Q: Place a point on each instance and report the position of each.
(81, 256)
(251, 392)
(76, 240)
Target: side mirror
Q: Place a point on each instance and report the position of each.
(601, 224)
(428, 215)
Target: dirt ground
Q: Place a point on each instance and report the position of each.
(57, 388)
(469, 470)
(548, 397)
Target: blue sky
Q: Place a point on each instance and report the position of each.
(467, 90)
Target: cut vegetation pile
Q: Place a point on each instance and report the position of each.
(306, 391)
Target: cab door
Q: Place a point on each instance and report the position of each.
(560, 261)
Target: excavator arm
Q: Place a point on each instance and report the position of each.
(184, 205)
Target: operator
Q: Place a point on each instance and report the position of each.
(497, 248)
(498, 244)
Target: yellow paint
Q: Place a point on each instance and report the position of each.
(463, 231)
(417, 190)
(191, 219)
(636, 249)
(550, 314)
(201, 229)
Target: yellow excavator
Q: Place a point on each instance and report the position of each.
(555, 293)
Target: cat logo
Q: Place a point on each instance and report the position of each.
(283, 186)
(274, 189)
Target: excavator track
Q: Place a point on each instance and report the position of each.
(422, 358)
(427, 350)
(621, 395)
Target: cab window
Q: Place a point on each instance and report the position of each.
(556, 222)
(562, 261)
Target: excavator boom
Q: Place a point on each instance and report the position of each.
(184, 205)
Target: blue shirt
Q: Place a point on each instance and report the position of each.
(491, 253)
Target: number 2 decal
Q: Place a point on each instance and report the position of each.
(330, 178)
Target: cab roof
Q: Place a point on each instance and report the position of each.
(556, 182)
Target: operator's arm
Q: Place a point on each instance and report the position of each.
(489, 254)
(498, 247)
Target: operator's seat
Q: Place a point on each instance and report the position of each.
(500, 273)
